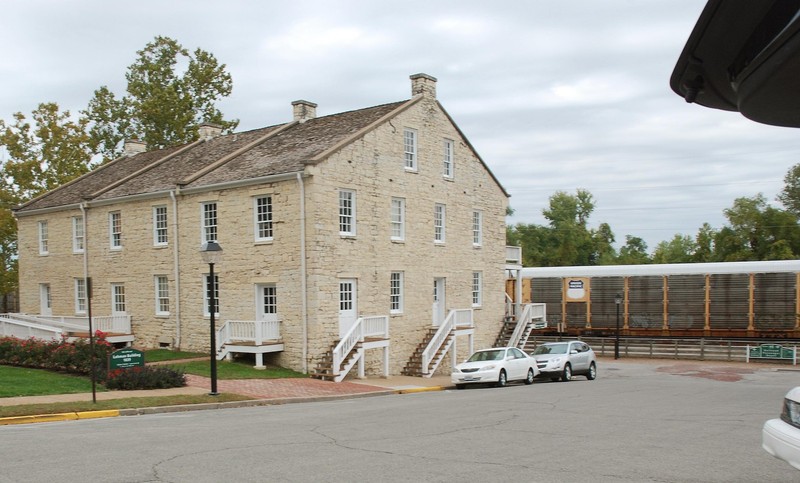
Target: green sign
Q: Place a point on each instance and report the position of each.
(125, 359)
(772, 351)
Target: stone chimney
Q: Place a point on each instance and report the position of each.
(423, 84)
(304, 110)
(208, 131)
(133, 147)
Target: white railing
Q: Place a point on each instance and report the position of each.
(371, 326)
(256, 331)
(530, 312)
(511, 307)
(21, 329)
(459, 318)
(117, 324)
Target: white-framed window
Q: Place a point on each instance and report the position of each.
(396, 292)
(447, 159)
(78, 237)
(43, 238)
(439, 212)
(410, 149)
(398, 218)
(477, 228)
(45, 299)
(269, 300)
(347, 212)
(115, 230)
(117, 298)
(207, 291)
(477, 289)
(263, 217)
(160, 226)
(162, 294)
(80, 296)
(209, 221)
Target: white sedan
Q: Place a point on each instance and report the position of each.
(497, 366)
(781, 437)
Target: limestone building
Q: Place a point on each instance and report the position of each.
(385, 217)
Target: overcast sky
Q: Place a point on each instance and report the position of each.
(554, 95)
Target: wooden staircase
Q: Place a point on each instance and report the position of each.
(324, 368)
(509, 323)
(414, 365)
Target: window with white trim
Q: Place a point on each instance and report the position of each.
(477, 228)
(438, 223)
(477, 289)
(160, 226)
(447, 159)
(263, 221)
(207, 291)
(115, 230)
(269, 301)
(209, 222)
(410, 149)
(398, 219)
(162, 295)
(396, 292)
(80, 296)
(43, 238)
(117, 298)
(78, 237)
(347, 212)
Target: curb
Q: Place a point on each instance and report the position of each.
(48, 418)
(420, 389)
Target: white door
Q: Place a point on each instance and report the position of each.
(348, 305)
(45, 304)
(267, 302)
(438, 301)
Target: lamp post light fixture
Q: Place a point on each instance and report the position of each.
(212, 253)
(618, 302)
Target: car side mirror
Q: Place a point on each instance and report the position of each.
(573, 351)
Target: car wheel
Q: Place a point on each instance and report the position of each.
(555, 379)
(567, 374)
(592, 374)
(502, 380)
(529, 379)
(460, 386)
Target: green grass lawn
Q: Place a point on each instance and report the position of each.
(21, 381)
(235, 370)
(159, 355)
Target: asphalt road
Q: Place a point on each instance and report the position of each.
(638, 422)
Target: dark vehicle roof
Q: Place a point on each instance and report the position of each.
(744, 55)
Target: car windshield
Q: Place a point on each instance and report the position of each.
(550, 349)
(487, 356)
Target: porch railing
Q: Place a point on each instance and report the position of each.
(25, 329)
(256, 331)
(117, 324)
(530, 312)
(458, 318)
(371, 326)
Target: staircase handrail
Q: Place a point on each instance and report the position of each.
(352, 337)
(453, 320)
(223, 336)
(522, 322)
(32, 329)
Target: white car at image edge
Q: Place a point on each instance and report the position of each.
(495, 366)
(781, 437)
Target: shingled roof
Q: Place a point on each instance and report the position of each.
(274, 150)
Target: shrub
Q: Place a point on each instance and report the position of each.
(58, 355)
(147, 377)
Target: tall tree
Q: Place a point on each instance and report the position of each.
(170, 93)
(790, 195)
(681, 249)
(634, 252)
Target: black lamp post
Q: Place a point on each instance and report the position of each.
(212, 253)
(618, 302)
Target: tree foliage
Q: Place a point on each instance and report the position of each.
(170, 92)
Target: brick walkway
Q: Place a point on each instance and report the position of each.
(283, 388)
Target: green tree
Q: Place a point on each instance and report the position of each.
(681, 249)
(790, 195)
(634, 252)
(603, 242)
(571, 242)
(170, 93)
(704, 243)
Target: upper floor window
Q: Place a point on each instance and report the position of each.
(263, 212)
(410, 149)
(115, 230)
(209, 222)
(396, 292)
(162, 295)
(80, 296)
(447, 159)
(347, 212)
(43, 238)
(398, 218)
(438, 223)
(477, 228)
(160, 233)
(477, 289)
(77, 234)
